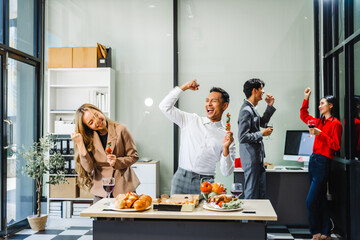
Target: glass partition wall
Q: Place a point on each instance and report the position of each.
(20, 111)
(225, 43)
(341, 61)
(140, 34)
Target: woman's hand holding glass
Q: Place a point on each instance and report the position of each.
(312, 129)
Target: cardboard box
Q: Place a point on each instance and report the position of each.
(85, 193)
(62, 127)
(85, 57)
(268, 165)
(65, 190)
(60, 57)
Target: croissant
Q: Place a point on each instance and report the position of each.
(131, 200)
(140, 204)
(147, 199)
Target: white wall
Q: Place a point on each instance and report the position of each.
(225, 43)
(222, 43)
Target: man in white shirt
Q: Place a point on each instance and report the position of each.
(204, 140)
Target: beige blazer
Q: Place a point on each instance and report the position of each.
(123, 146)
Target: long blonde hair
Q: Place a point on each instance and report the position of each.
(85, 179)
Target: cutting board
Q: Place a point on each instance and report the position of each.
(177, 202)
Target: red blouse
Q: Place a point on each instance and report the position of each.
(329, 140)
(357, 137)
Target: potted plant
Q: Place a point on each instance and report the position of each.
(38, 164)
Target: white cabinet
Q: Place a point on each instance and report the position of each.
(148, 174)
(69, 88)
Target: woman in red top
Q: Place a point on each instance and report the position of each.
(327, 133)
(357, 126)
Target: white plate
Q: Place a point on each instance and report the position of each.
(212, 207)
(127, 209)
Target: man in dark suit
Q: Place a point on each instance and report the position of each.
(250, 138)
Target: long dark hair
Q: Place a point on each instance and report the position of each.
(334, 110)
(84, 178)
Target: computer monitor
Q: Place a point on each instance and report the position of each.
(298, 145)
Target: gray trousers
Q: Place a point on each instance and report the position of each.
(187, 182)
(255, 181)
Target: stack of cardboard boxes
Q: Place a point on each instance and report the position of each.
(69, 189)
(79, 57)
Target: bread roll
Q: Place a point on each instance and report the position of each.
(120, 197)
(140, 205)
(147, 199)
(119, 202)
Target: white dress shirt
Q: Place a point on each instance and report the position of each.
(201, 143)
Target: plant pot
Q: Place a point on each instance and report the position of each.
(37, 223)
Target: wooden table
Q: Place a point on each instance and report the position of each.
(199, 224)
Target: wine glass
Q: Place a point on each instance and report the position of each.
(311, 124)
(269, 125)
(237, 189)
(108, 184)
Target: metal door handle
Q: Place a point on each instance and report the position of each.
(11, 124)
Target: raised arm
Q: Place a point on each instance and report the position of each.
(304, 113)
(86, 160)
(167, 105)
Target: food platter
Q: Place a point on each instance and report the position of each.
(177, 202)
(215, 207)
(111, 208)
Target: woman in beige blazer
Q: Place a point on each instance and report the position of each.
(92, 131)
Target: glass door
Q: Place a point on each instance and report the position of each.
(21, 85)
(20, 130)
(2, 151)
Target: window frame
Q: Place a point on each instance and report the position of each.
(36, 60)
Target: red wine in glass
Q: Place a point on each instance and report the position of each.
(109, 188)
(108, 185)
(237, 193)
(311, 124)
(236, 189)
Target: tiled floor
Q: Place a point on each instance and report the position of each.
(275, 232)
(72, 233)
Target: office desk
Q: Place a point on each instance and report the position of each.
(198, 224)
(287, 191)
